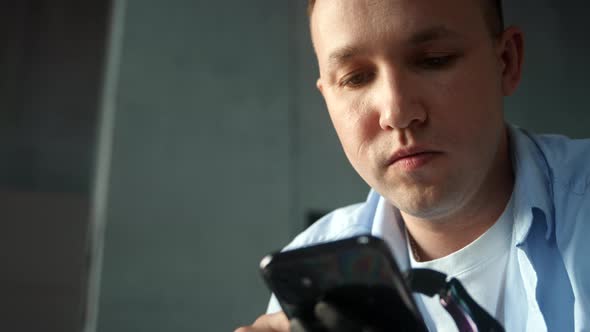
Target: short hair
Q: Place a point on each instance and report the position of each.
(493, 13)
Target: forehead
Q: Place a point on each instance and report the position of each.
(360, 23)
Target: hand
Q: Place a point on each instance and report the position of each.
(333, 320)
(276, 322)
(362, 309)
(347, 309)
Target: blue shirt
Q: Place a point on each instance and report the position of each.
(549, 287)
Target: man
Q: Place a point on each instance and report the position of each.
(415, 91)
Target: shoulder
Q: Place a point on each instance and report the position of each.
(341, 223)
(567, 159)
(568, 162)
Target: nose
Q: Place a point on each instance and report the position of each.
(398, 103)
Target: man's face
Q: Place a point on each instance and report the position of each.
(413, 77)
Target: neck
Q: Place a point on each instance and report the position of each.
(432, 239)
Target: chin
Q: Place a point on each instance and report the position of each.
(424, 204)
(420, 210)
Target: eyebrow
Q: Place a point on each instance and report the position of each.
(341, 55)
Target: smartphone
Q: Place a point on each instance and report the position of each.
(359, 274)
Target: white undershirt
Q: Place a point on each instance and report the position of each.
(481, 268)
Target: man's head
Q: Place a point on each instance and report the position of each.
(491, 9)
(421, 78)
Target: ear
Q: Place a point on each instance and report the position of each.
(511, 54)
(319, 85)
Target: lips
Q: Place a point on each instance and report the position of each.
(412, 157)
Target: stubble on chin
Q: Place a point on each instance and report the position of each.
(428, 203)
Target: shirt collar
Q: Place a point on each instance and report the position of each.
(533, 188)
(388, 225)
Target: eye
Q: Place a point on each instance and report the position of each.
(357, 79)
(437, 62)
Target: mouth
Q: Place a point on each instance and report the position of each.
(412, 158)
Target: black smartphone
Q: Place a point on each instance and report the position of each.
(359, 274)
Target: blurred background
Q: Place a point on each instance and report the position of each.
(152, 152)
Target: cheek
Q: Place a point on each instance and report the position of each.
(356, 127)
(467, 103)
(469, 118)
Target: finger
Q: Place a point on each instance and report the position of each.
(276, 322)
(334, 320)
(297, 326)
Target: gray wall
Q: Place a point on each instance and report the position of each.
(222, 145)
(553, 96)
(51, 64)
(201, 167)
